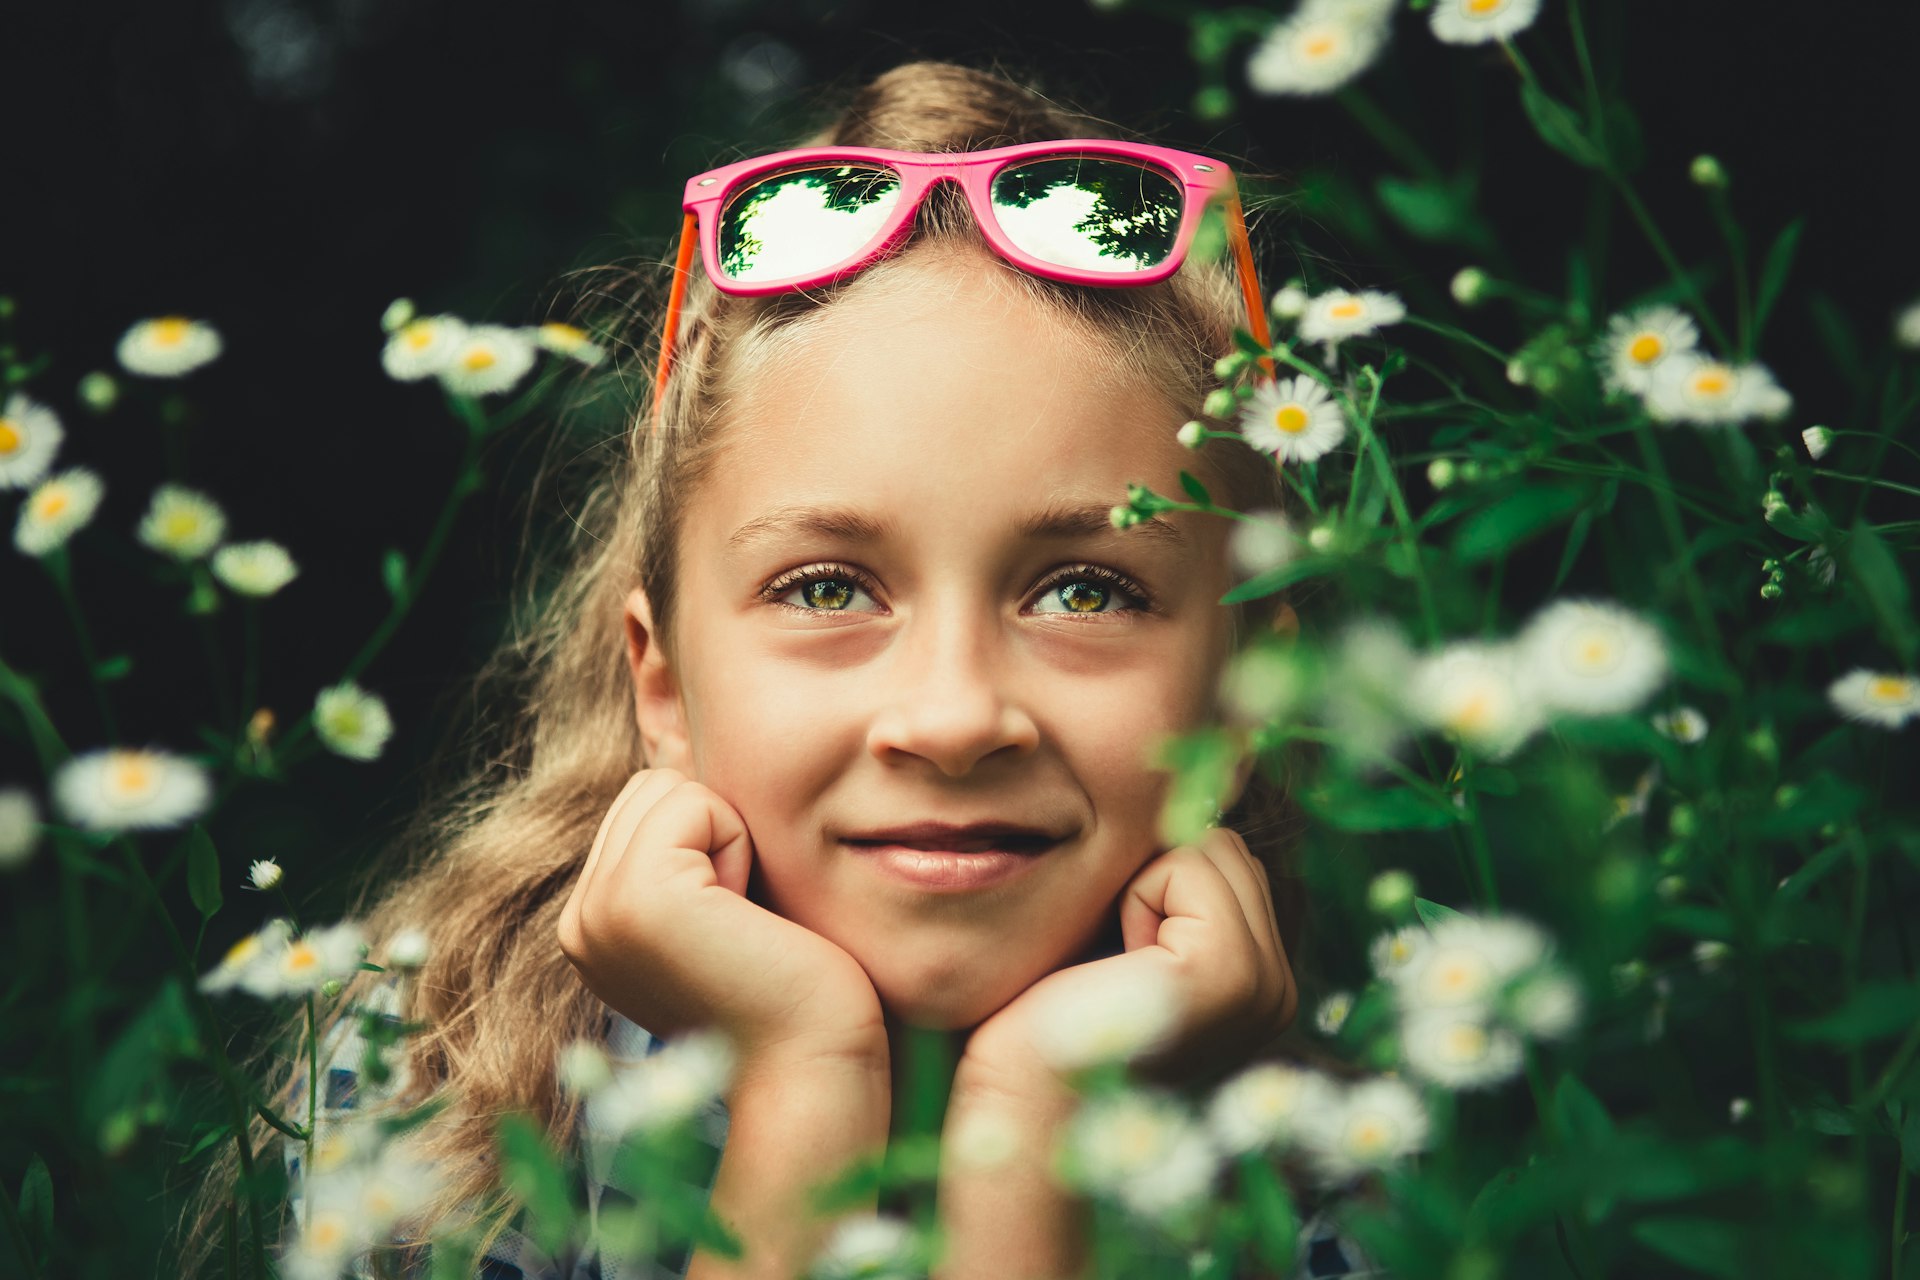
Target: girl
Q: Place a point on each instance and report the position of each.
(847, 607)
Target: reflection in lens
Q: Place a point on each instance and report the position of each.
(1090, 213)
(804, 220)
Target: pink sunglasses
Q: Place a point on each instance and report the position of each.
(1090, 211)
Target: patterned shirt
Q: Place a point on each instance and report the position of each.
(1323, 1253)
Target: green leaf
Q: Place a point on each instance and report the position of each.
(1874, 571)
(203, 872)
(1581, 1116)
(280, 1122)
(532, 1171)
(1432, 913)
(1773, 274)
(36, 1210)
(1513, 519)
(1265, 584)
(1559, 126)
(1876, 1010)
(1195, 490)
(1703, 1244)
(1426, 210)
(393, 571)
(205, 1140)
(1621, 128)
(107, 670)
(1396, 809)
(1818, 624)
(1842, 343)
(1276, 1225)
(1576, 539)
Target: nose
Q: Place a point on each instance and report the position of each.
(948, 695)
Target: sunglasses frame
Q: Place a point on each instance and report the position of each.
(1202, 179)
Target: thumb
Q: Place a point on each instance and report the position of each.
(1143, 904)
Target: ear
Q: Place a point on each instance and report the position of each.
(657, 706)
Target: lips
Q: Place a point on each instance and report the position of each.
(961, 837)
(1020, 844)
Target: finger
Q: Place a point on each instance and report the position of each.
(1180, 901)
(692, 828)
(610, 847)
(1249, 876)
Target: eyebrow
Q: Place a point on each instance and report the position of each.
(1059, 519)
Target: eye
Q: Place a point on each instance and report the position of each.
(1086, 588)
(1078, 589)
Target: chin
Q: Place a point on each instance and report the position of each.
(941, 998)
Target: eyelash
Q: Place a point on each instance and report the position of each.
(1071, 573)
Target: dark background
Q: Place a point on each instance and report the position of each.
(285, 168)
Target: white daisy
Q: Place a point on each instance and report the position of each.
(1337, 315)
(307, 962)
(1639, 342)
(29, 435)
(1142, 1147)
(1467, 961)
(1692, 388)
(351, 721)
(1363, 695)
(1373, 1125)
(669, 1087)
(420, 348)
(1546, 1005)
(583, 1069)
(254, 568)
(490, 358)
(264, 874)
(1683, 724)
(1477, 692)
(1393, 950)
(168, 346)
(1294, 419)
(1264, 541)
(1906, 326)
(872, 1246)
(1333, 1012)
(1477, 21)
(1259, 1107)
(1088, 1023)
(1458, 1048)
(327, 1237)
(409, 949)
(1591, 657)
(250, 962)
(1315, 51)
(116, 788)
(58, 506)
(19, 826)
(398, 1183)
(567, 340)
(1885, 698)
(181, 522)
(1818, 440)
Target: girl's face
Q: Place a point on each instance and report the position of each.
(945, 664)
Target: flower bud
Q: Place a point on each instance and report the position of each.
(409, 949)
(1469, 286)
(265, 875)
(1707, 172)
(1320, 537)
(1122, 517)
(1670, 888)
(1771, 591)
(1220, 403)
(1228, 365)
(1391, 894)
(1818, 440)
(1190, 434)
(399, 314)
(1440, 472)
(1682, 821)
(332, 987)
(99, 392)
(1290, 302)
(1739, 1109)
(1210, 102)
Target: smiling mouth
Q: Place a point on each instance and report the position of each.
(1023, 845)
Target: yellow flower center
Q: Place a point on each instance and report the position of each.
(1482, 8)
(1594, 651)
(1714, 380)
(181, 524)
(51, 503)
(1646, 348)
(1318, 45)
(302, 957)
(1275, 1096)
(1399, 950)
(379, 1201)
(1474, 712)
(1890, 689)
(1346, 310)
(477, 359)
(1138, 1138)
(564, 334)
(327, 1233)
(240, 952)
(1465, 1042)
(132, 775)
(11, 437)
(419, 335)
(170, 331)
(1290, 418)
(1368, 1136)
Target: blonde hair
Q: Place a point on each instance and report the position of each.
(487, 867)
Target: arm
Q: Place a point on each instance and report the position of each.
(790, 1127)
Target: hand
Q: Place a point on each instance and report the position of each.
(1200, 914)
(661, 929)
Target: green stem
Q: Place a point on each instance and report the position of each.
(216, 669)
(62, 571)
(1458, 335)
(250, 677)
(1867, 480)
(1391, 137)
(1676, 536)
(18, 1232)
(313, 1097)
(1899, 1218)
(1737, 254)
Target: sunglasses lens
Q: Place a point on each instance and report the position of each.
(1090, 212)
(804, 220)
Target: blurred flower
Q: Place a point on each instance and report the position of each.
(329, 1234)
(1640, 342)
(1738, 1109)
(1477, 21)
(1711, 954)
(1294, 419)
(1683, 724)
(1093, 1022)
(398, 315)
(1316, 50)
(1692, 388)
(1190, 434)
(98, 391)
(1371, 1126)
(254, 568)
(1143, 1148)
(1906, 326)
(1634, 804)
(1474, 690)
(1391, 893)
(1363, 691)
(1468, 960)
(1392, 951)
(1468, 286)
(567, 340)
(1333, 1012)
(264, 874)
(873, 1246)
(1547, 1005)
(490, 358)
(1591, 657)
(1261, 684)
(30, 433)
(985, 1139)
(307, 962)
(420, 348)
(669, 1087)
(583, 1068)
(1258, 1108)
(1458, 1048)
(1337, 315)
(1884, 698)
(409, 949)
(1707, 171)
(19, 827)
(1818, 440)
(251, 962)
(396, 1184)
(1264, 541)
(1440, 472)
(1289, 302)
(351, 721)
(116, 788)
(59, 506)
(181, 522)
(168, 347)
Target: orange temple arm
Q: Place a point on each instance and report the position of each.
(689, 234)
